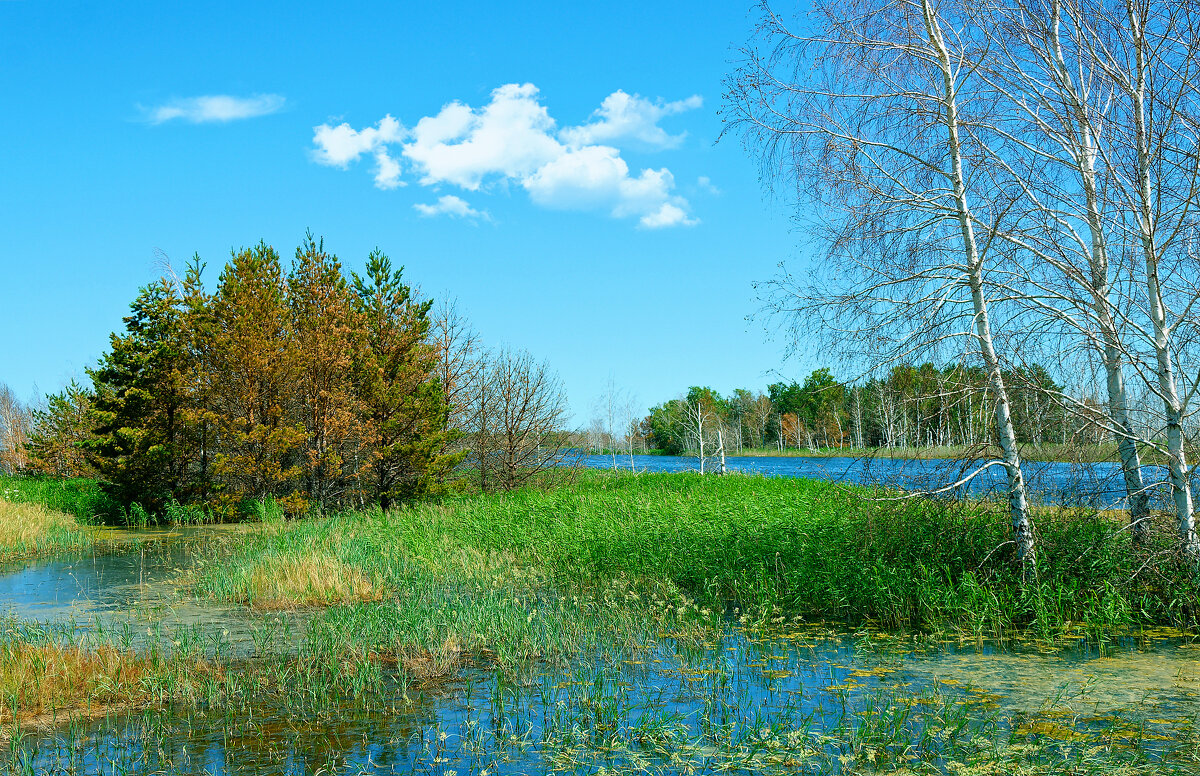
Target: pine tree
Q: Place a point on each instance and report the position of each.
(403, 405)
(59, 430)
(250, 372)
(325, 335)
(139, 403)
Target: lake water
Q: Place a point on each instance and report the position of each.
(1097, 485)
(787, 697)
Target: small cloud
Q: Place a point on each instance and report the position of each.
(340, 145)
(706, 184)
(214, 108)
(387, 170)
(452, 206)
(667, 215)
(629, 117)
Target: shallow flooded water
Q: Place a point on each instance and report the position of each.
(806, 699)
(138, 595)
(793, 698)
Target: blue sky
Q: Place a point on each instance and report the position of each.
(571, 196)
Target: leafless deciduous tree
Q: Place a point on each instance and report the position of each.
(457, 347)
(515, 415)
(1051, 147)
(16, 421)
(1100, 144)
(615, 418)
(864, 115)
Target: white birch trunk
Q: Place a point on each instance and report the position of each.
(1017, 497)
(1167, 387)
(1084, 161)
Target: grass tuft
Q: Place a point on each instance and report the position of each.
(31, 530)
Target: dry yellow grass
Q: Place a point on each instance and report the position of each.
(43, 683)
(292, 580)
(30, 529)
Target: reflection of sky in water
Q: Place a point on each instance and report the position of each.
(1096, 484)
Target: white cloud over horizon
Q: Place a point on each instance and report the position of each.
(214, 108)
(514, 140)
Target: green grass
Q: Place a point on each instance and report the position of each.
(767, 547)
(31, 530)
(563, 591)
(81, 498)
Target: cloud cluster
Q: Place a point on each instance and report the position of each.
(514, 141)
(214, 108)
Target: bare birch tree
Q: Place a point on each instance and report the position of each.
(1107, 90)
(1041, 66)
(16, 421)
(1154, 64)
(864, 115)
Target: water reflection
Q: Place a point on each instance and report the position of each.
(140, 594)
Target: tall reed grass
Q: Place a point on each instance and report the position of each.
(80, 497)
(31, 530)
(767, 547)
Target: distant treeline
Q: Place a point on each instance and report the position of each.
(908, 407)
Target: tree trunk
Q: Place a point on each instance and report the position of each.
(1167, 388)
(1017, 497)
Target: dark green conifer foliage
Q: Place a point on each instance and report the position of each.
(403, 404)
(59, 432)
(140, 402)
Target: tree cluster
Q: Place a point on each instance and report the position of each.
(996, 183)
(908, 407)
(306, 386)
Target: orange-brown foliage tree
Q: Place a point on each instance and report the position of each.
(327, 340)
(250, 376)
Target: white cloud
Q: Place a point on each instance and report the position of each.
(343, 144)
(705, 183)
(629, 117)
(509, 137)
(514, 140)
(596, 177)
(449, 205)
(339, 146)
(667, 215)
(387, 170)
(214, 108)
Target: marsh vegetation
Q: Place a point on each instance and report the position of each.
(639, 623)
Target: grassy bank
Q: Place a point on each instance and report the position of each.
(32, 530)
(80, 497)
(769, 548)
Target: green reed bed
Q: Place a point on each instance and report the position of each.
(79, 497)
(768, 547)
